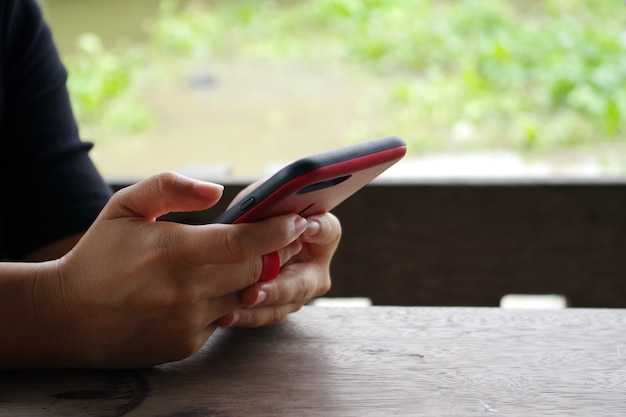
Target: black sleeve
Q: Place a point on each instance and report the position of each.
(49, 188)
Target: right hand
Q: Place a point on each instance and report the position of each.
(136, 292)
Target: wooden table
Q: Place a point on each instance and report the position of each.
(377, 361)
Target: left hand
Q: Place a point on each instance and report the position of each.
(303, 277)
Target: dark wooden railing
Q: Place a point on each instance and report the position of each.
(469, 244)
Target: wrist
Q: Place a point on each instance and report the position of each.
(32, 316)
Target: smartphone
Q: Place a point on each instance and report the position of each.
(318, 183)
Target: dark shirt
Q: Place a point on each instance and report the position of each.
(49, 188)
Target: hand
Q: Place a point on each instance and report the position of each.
(305, 276)
(137, 292)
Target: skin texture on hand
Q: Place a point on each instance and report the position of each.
(305, 276)
(135, 292)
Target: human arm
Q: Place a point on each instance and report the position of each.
(89, 307)
(134, 291)
(50, 191)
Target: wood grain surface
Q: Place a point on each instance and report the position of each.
(378, 361)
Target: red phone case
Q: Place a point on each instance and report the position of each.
(318, 183)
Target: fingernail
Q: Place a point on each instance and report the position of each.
(299, 225)
(234, 319)
(261, 296)
(208, 189)
(313, 228)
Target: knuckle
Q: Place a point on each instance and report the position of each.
(184, 296)
(164, 179)
(325, 286)
(336, 228)
(175, 298)
(276, 316)
(255, 269)
(163, 249)
(169, 300)
(307, 289)
(303, 289)
(120, 195)
(120, 199)
(236, 244)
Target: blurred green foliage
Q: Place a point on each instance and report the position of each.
(105, 86)
(531, 76)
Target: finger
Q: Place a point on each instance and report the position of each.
(199, 320)
(323, 230)
(257, 317)
(307, 274)
(221, 244)
(228, 309)
(297, 283)
(222, 306)
(162, 194)
(236, 277)
(228, 320)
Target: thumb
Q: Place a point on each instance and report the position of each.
(161, 194)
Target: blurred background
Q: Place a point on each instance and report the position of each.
(496, 88)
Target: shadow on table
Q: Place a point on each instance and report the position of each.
(238, 372)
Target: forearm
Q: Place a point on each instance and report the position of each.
(28, 323)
